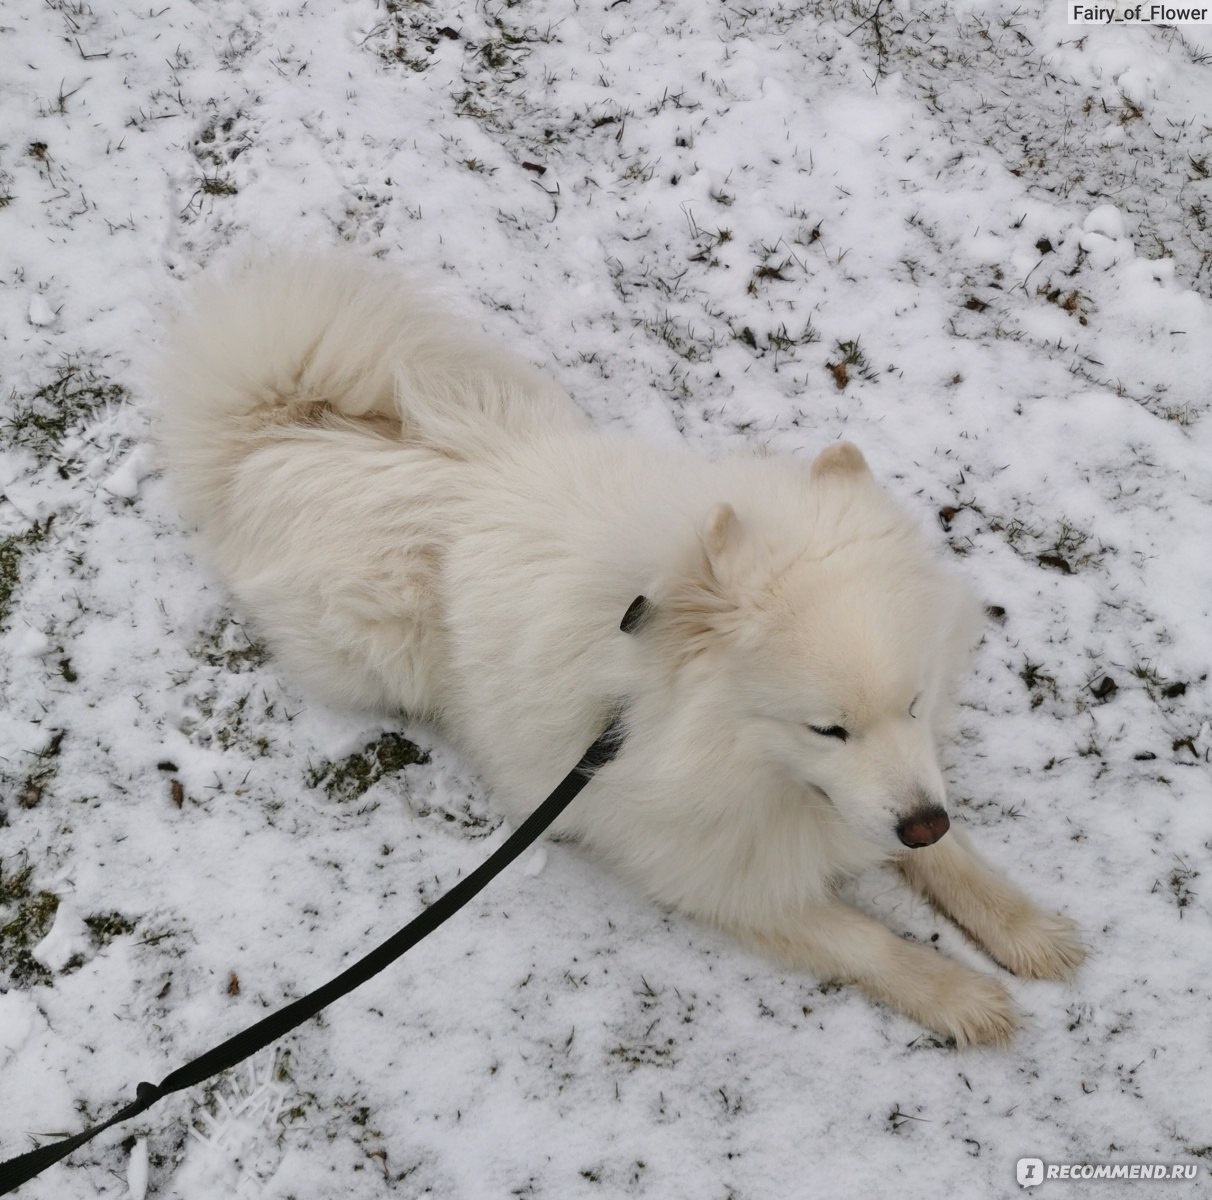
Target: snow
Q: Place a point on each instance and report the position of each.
(68, 938)
(40, 313)
(693, 215)
(137, 1170)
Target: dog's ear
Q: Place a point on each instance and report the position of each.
(721, 532)
(840, 460)
(702, 601)
(726, 549)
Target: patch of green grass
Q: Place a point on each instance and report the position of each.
(1178, 884)
(410, 34)
(680, 336)
(768, 272)
(705, 243)
(502, 54)
(73, 395)
(1070, 300)
(216, 148)
(222, 141)
(228, 646)
(1064, 548)
(104, 927)
(1157, 686)
(12, 551)
(1069, 548)
(848, 362)
(649, 1052)
(1069, 541)
(32, 785)
(779, 341)
(26, 915)
(470, 103)
(783, 339)
(238, 724)
(218, 185)
(1039, 683)
(241, 722)
(354, 776)
(1092, 748)
(851, 353)
(232, 729)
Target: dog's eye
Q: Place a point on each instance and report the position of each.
(833, 731)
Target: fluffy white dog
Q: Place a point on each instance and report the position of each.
(421, 522)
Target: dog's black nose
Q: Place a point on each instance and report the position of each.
(924, 827)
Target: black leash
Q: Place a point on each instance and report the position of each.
(16, 1171)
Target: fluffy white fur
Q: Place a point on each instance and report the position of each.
(421, 522)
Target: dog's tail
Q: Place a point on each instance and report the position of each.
(336, 341)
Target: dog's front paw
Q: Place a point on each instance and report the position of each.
(1041, 945)
(973, 1009)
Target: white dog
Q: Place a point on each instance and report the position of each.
(421, 522)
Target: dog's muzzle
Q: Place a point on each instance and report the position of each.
(923, 828)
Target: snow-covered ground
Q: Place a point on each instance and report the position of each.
(971, 237)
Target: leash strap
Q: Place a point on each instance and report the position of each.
(23, 1168)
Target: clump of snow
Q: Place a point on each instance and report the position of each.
(68, 939)
(39, 312)
(18, 1016)
(137, 1170)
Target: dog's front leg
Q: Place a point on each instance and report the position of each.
(838, 942)
(1016, 932)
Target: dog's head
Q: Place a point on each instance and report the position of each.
(832, 637)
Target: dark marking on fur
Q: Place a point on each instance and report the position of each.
(608, 744)
(638, 612)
